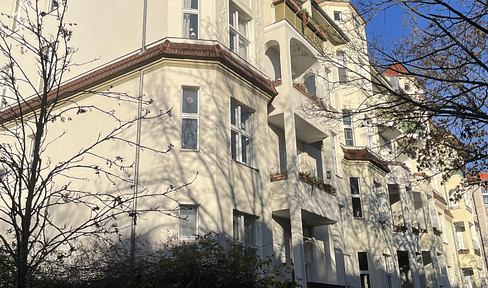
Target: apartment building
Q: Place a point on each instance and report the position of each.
(265, 125)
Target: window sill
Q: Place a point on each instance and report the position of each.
(189, 150)
(246, 165)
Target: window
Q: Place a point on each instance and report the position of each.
(188, 222)
(310, 85)
(341, 68)
(47, 59)
(53, 4)
(337, 15)
(364, 269)
(484, 193)
(241, 133)
(348, 128)
(190, 19)
(245, 228)
(239, 33)
(3, 89)
(189, 119)
(333, 141)
(357, 210)
(15, 16)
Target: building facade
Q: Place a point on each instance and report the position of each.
(264, 97)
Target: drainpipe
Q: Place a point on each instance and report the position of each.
(133, 213)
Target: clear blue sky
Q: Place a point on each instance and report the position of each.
(387, 24)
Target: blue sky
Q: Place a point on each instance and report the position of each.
(387, 24)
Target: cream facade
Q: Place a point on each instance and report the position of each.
(326, 193)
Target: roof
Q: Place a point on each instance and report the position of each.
(395, 70)
(167, 49)
(365, 155)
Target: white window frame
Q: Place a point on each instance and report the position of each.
(335, 161)
(348, 127)
(239, 233)
(356, 196)
(46, 51)
(484, 195)
(236, 15)
(237, 128)
(3, 89)
(190, 116)
(16, 16)
(364, 272)
(342, 67)
(51, 5)
(181, 219)
(190, 11)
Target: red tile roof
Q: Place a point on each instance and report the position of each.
(167, 49)
(365, 155)
(396, 69)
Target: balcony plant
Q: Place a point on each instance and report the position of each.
(477, 252)
(463, 251)
(276, 176)
(318, 182)
(416, 231)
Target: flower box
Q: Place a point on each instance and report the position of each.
(463, 251)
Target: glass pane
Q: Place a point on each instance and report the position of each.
(188, 221)
(246, 121)
(354, 184)
(190, 4)
(189, 134)
(250, 230)
(243, 48)
(348, 136)
(242, 26)
(235, 227)
(233, 144)
(232, 41)
(233, 114)
(363, 261)
(346, 118)
(485, 199)
(190, 101)
(365, 281)
(246, 150)
(190, 25)
(310, 85)
(356, 207)
(231, 17)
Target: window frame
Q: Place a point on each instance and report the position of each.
(356, 196)
(235, 14)
(484, 195)
(337, 15)
(348, 127)
(4, 89)
(190, 11)
(15, 16)
(362, 271)
(342, 67)
(239, 230)
(51, 6)
(190, 116)
(241, 132)
(180, 221)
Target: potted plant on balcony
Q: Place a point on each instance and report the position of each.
(276, 176)
(463, 251)
(306, 177)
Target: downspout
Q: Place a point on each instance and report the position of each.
(138, 142)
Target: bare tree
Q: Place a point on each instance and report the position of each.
(35, 186)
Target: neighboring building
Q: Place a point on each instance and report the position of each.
(344, 207)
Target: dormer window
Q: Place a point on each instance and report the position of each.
(337, 15)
